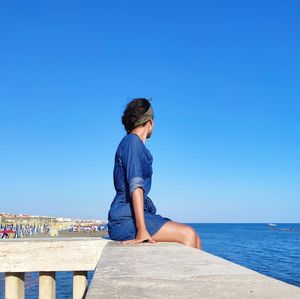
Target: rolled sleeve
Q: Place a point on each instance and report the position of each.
(133, 155)
(135, 183)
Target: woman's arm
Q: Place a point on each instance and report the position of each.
(138, 206)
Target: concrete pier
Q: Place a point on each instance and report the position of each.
(48, 256)
(160, 270)
(172, 270)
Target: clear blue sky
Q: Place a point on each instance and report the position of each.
(225, 82)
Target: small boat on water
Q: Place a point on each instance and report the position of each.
(272, 224)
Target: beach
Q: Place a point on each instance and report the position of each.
(68, 234)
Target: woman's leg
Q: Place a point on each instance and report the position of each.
(173, 231)
(199, 245)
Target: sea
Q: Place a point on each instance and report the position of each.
(273, 250)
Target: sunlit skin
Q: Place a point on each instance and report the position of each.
(171, 231)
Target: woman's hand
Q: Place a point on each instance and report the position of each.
(141, 236)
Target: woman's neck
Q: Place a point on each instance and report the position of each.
(141, 135)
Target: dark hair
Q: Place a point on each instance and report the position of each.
(133, 111)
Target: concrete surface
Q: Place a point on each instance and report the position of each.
(172, 270)
(50, 254)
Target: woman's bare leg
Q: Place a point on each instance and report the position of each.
(173, 231)
(199, 245)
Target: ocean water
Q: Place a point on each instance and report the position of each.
(270, 250)
(273, 251)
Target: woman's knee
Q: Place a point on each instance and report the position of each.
(189, 236)
(177, 232)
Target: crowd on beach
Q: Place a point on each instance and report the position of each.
(26, 230)
(23, 230)
(26, 226)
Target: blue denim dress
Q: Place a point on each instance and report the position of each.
(132, 169)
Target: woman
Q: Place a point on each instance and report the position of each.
(132, 214)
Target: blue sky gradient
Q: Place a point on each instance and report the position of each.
(225, 82)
